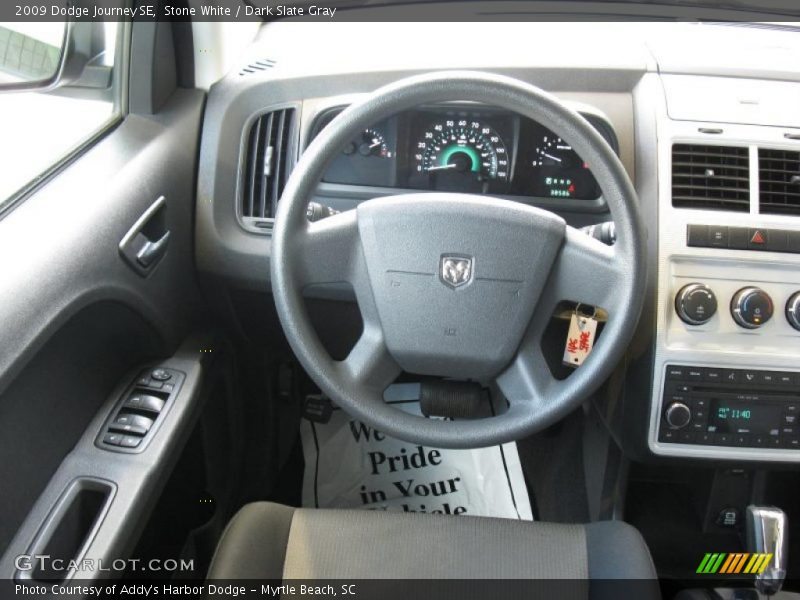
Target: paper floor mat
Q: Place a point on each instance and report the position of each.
(348, 464)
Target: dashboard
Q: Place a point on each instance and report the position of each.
(469, 149)
(711, 141)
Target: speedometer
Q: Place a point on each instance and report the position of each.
(467, 147)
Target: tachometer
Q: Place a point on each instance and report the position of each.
(463, 146)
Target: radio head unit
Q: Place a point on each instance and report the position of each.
(730, 407)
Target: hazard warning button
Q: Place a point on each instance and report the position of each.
(758, 238)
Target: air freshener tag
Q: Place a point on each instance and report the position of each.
(580, 339)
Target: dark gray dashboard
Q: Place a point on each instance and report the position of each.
(236, 249)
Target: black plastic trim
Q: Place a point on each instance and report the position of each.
(158, 418)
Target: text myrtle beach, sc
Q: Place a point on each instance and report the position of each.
(151, 11)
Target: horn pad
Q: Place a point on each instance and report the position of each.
(456, 277)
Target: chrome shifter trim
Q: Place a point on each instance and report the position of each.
(767, 533)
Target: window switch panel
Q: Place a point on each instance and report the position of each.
(137, 414)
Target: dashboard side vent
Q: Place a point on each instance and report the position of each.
(711, 177)
(779, 181)
(268, 162)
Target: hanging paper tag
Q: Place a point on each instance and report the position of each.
(580, 339)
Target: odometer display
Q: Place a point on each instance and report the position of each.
(549, 167)
(465, 148)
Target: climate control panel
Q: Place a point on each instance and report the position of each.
(750, 307)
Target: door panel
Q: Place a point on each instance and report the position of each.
(46, 409)
(74, 316)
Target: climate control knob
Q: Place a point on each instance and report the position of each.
(678, 415)
(751, 307)
(695, 304)
(793, 311)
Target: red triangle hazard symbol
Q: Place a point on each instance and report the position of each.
(758, 238)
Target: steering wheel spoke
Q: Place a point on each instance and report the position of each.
(369, 363)
(586, 271)
(326, 250)
(527, 383)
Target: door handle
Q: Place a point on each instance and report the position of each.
(146, 243)
(152, 252)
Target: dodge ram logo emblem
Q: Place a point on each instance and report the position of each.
(455, 271)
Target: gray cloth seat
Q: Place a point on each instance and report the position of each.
(270, 541)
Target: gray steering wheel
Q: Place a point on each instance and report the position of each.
(481, 316)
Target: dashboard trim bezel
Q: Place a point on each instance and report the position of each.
(315, 109)
(673, 250)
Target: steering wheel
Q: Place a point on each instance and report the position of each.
(457, 285)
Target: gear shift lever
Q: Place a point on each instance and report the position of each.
(767, 533)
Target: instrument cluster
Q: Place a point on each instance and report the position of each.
(463, 148)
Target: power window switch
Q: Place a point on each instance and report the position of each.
(130, 441)
(131, 424)
(144, 402)
(113, 439)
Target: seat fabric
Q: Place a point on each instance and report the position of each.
(270, 541)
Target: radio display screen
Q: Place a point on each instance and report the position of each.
(735, 416)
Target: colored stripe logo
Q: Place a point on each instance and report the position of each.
(734, 563)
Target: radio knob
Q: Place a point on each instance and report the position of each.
(751, 307)
(678, 415)
(793, 311)
(695, 304)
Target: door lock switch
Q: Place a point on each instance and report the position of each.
(130, 441)
(113, 439)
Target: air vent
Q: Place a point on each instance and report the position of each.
(257, 66)
(711, 177)
(779, 181)
(268, 163)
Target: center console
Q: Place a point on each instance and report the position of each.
(727, 356)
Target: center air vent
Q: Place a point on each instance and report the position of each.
(268, 162)
(711, 177)
(779, 181)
